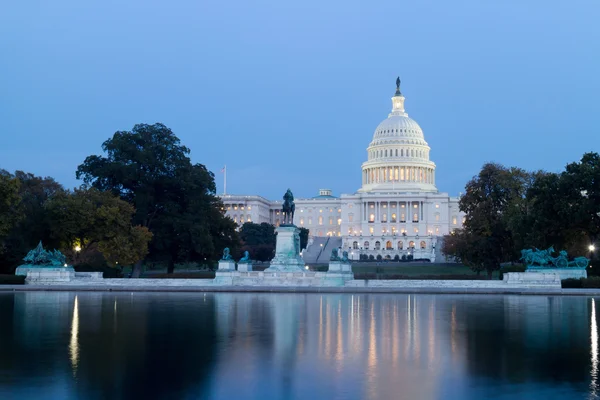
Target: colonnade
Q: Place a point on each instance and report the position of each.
(393, 211)
(398, 174)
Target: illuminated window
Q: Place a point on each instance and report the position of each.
(437, 217)
(248, 218)
(454, 220)
(301, 221)
(402, 205)
(321, 210)
(242, 207)
(235, 207)
(437, 230)
(423, 244)
(309, 220)
(437, 206)
(384, 218)
(331, 210)
(372, 206)
(339, 210)
(350, 217)
(402, 217)
(388, 245)
(464, 219)
(416, 230)
(249, 207)
(415, 206)
(330, 220)
(371, 230)
(372, 218)
(393, 217)
(415, 217)
(411, 244)
(339, 221)
(400, 245)
(320, 220)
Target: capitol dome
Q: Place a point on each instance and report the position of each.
(398, 155)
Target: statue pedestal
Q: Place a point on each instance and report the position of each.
(42, 275)
(226, 265)
(244, 267)
(287, 250)
(340, 266)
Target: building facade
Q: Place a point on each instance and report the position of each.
(397, 211)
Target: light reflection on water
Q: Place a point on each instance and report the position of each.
(295, 346)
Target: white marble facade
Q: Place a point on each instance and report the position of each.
(397, 210)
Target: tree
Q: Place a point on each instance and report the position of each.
(9, 202)
(175, 199)
(259, 240)
(34, 192)
(303, 238)
(88, 220)
(492, 199)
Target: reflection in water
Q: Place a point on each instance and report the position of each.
(297, 346)
(594, 353)
(74, 343)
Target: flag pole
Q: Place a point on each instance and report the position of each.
(225, 180)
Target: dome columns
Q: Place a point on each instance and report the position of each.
(391, 174)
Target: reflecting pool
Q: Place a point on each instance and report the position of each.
(66, 345)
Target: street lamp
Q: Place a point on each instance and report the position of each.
(591, 248)
(77, 249)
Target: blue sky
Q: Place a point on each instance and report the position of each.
(288, 94)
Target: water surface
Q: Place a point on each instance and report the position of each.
(63, 345)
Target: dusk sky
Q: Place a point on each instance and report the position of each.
(288, 94)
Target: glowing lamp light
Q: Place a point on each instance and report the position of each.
(77, 249)
(65, 265)
(306, 267)
(592, 247)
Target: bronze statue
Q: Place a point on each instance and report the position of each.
(345, 257)
(288, 208)
(246, 259)
(334, 255)
(398, 86)
(226, 255)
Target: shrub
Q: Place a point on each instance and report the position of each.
(12, 279)
(591, 282)
(571, 283)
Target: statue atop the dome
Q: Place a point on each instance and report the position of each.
(398, 86)
(288, 208)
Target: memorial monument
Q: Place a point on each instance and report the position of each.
(41, 265)
(226, 263)
(543, 261)
(245, 263)
(287, 249)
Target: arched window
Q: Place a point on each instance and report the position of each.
(393, 217)
(372, 218)
(320, 220)
(377, 245)
(355, 245)
(411, 244)
(388, 245)
(423, 244)
(366, 246)
(400, 245)
(248, 218)
(384, 218)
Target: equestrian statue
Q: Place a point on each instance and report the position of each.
(288, 208)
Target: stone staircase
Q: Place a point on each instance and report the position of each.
(313, 251)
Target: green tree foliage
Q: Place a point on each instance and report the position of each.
(259, 240)
(493, 199)
(9, 202)
(303, 238)
(175, 199)
(88, 220)
(34, 192)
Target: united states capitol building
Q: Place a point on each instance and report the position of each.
(398, 211)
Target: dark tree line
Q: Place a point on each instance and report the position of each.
(509, 209)
(142, 201)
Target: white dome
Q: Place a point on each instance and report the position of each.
(398, 155)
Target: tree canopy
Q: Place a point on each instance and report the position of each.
(175, 199)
